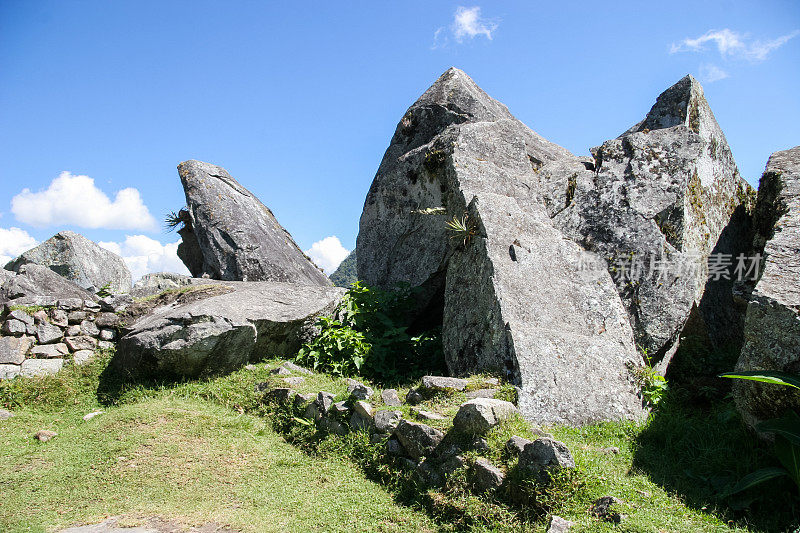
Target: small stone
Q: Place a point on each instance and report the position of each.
(479, 444)
(426, 474)
(91, 415)
(358, 390)
(15, 327)
(435, 384)
(22, 316)
(104, 345)
(48, 351)
(72, 331)
(360, 423)
(340, 409)
(395, 448)
(377, 438)
(81, 342)
(280, 371)
(40, 367)
(302, 401)
(482, 414)
(82, 356)
(325, 401)
(47, 333)
(9, 371)
(30, 329)
(70, 304)
(89, 328)
(390, 398)
(58, 317)
(333, 426)
(414, 397)
(107, 320)
(5, 415)
(611, 450)
(481, 393)
(282, 396)
(364, 409)
(452, 464)
(248, 366)
(14, 349)
(515, 445)
(601, 508)
(559, 525)
(543, 456)
(491, 382)
(294, 381)
(387, 421)
(292, 367)
(76, 317)
(92, 306)
(418, 439)
(44, 435)
(107, 334)
(426, 415)
(486, 476)
(40, 317)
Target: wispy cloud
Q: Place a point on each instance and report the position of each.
(732, 44)
(467, 24)
(76, 200)
(711, 73)
(144, 255)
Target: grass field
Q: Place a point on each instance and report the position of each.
(210, 452)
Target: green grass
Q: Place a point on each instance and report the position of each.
(212, 451)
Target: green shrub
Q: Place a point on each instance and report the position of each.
(370, 337)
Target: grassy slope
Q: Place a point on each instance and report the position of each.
(185, 459)
(189, 451)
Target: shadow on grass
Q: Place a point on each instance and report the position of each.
(699, 448)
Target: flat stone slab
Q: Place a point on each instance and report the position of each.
(41, 367)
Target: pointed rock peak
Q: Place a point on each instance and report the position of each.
(457, 92)
(682, 104)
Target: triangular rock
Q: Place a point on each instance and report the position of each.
(655, 207)
(512, 292)
(229, 234)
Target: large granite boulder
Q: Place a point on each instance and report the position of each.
(229, 234)
(80, 260)
(654, 204)
(38, 285)
(510, 294)
(772, 324)
(252, 320)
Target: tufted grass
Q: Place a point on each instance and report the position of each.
(204, 446)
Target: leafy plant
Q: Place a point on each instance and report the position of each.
(786, 430)
(370, 337)
(105, 291)
(462, 228)
(653, 385)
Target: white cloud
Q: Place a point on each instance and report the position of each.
(76, 200)
(731, 44)
(711, 73)
(328, 253)
(14, 241)
(144, 255)
(467, 24)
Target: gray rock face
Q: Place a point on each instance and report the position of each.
(221, 333)
(80, 260)
(512, 295)
(772, 324)
(6, 275)
(157, 282)
(48, 333)
(390, 398)
(419, 440)
(358, 390)
(482, 414)
(38, 285)
(40, 367)
(387, 421)
(654, 208)
(236, 236)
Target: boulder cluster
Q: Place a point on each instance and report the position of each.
(566, 275)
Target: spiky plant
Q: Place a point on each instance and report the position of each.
(172, 220)
(462, 228)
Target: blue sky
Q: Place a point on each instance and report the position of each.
(298, 100)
